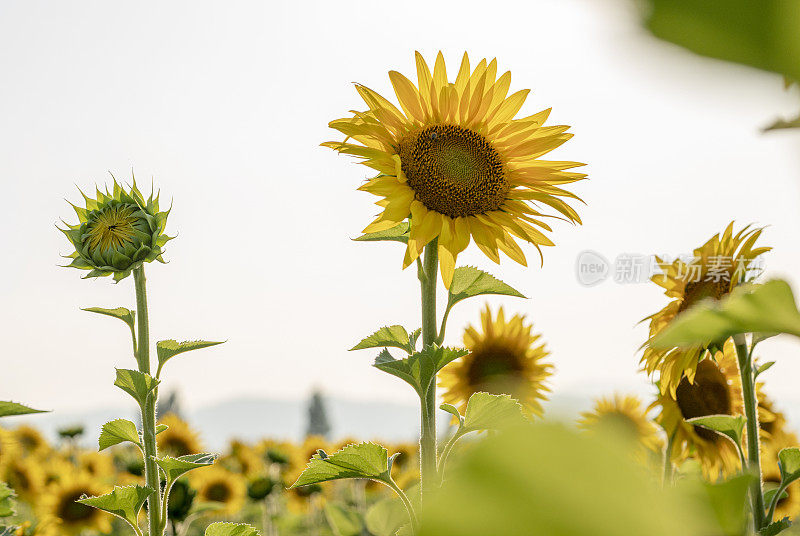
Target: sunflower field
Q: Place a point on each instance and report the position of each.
(455, 168)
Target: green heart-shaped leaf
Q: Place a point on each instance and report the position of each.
(118, 431)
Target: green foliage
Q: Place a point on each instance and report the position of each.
(8, 408)
(395, 336)
(469, 282)
(363, 460)
(420, 368)
(767, 308)
(118, 431)
(126, 315)
(773, 529)
(516, 484)
(160, 428)
(763, 368)
(344, 521)
(137, 384)
(761, 34)
(386, 517)
(7, 502)
(486, 411)
(728, 501)
(398, 233)
(726, 425)
(169, 348)
(790, 464)
(123, 502)
(174, 468)
(231, 529)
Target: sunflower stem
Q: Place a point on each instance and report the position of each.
(668, 460)
(427, 441)
(753, 445)
(152, 478)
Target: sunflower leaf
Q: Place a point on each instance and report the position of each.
(126, 315)
(230, 529)
(763, 368)
(160, 428)
(124, 502)
(137, 384)
(769, 495)
(726, 425)
(486, 411)
(170, 348)
(773, 529)
(790, 464)
(118, 431)
(8, 505)
(452, 410)
(766, 308)
(420, 368)
(395, 336)
(385, 517)
(362, 460)
(469, 282)
(344, 521)
(174, 468)
(398, 233)
(8, 408)
(728, 500)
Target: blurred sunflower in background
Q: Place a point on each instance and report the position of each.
(716, 390)
(30, 440)
(179, 439)
(457, 163)
(225, 490)
(788, 506)
(725, 261)
(98, 465)
(303, 452)
(26, 477)
(624, 414)
(9, 449)
(770, 420)
(504, 358)
(60, 515)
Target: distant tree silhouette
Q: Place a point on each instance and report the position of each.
(318, 424)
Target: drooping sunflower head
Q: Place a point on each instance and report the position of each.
(179, 439)
(788, 506)
(625, 415)
(225, 490)
(505, 358)
(725, 261)
(458, 164)
(60, 515)
(715, 389)
(117, 232)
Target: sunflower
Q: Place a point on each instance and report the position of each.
(98, 465)
(770, 420)
(56, 468)
(458, 164)
(178, 439)
(716, 390)
(790, 505)
(719, 265)
(506, 358)
(302, 453)
(9, 449)
(26, 477)
(626, 414)
(30, 440)
(243, 459)
(60, 515)
(221, 488)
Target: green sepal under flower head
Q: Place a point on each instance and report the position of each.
(117, 232)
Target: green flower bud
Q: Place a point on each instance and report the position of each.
(117, 232)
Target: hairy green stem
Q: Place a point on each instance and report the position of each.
(407, 503)
(751, 413)
(427, 441)
(152, 478)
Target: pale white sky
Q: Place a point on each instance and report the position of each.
(224, 104)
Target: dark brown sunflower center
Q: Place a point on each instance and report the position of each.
(495, 369)
(72, 512)
(709, 395)
(697, 291)
(453, 170)
(218, 491)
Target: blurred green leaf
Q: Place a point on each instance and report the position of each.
(126, 315)
(770, 494)
(773, 529)
(730, 503)
(170, 348)
(230, 529)
(362, 460)
(7, 500)
(123, 502)
(486, 411)
(767, 308)
(790, 464)
(395, 336)
(344, 521)
(8, 408)
(420, 368)
(549, 480)
(469, 282)
(137, 384)
(118, 431)
(758, 33)
(726, 425)
(398, 233)
(385, 517)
